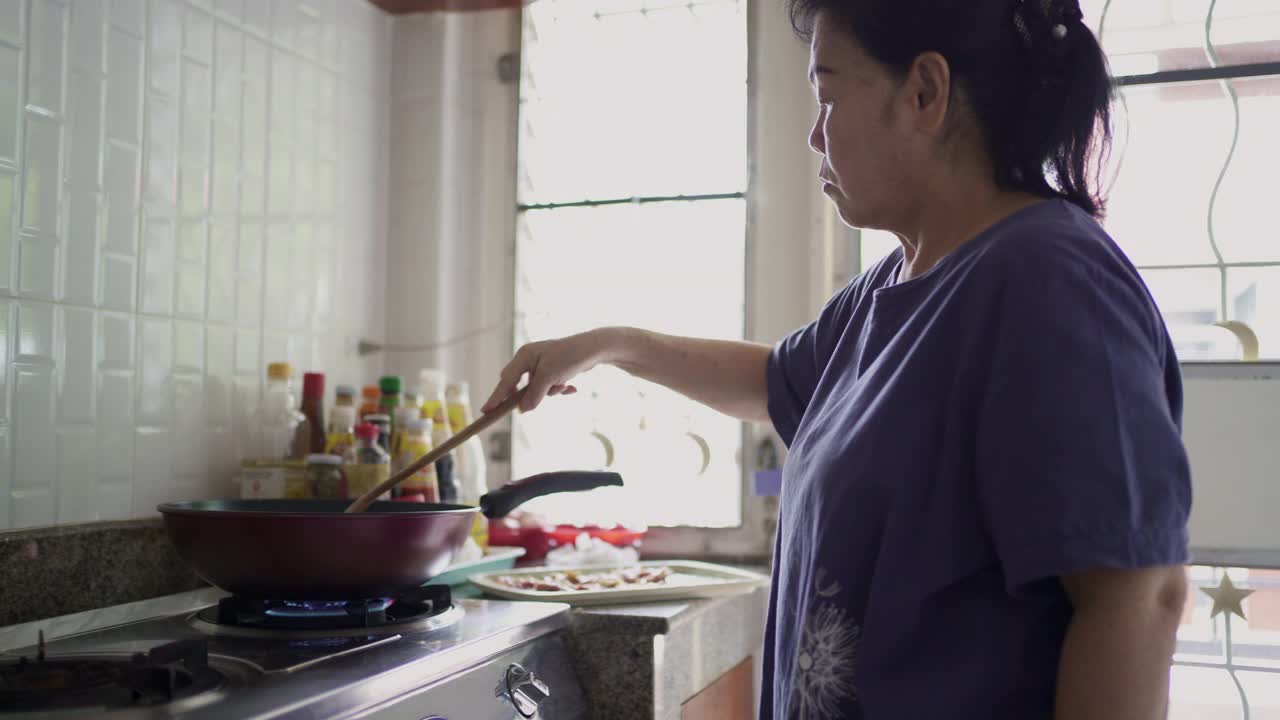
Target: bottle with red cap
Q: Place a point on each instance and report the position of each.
(313, 409)
(372, 463)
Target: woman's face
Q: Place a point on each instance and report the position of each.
(861, 132)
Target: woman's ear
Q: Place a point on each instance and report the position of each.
(928, 84)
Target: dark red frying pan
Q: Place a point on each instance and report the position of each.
(313, 550)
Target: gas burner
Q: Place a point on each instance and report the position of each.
(167, 673)
(427, 607)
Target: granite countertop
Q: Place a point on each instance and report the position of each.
(644, 661)
(639, 661)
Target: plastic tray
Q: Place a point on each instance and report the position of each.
(690, 579)
(495, 559)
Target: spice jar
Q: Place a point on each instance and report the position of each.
(325, 473)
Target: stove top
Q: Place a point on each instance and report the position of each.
(266, 659)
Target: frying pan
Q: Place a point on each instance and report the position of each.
(313, 550)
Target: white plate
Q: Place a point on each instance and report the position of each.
(689, 579)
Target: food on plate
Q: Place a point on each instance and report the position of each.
(579, 580)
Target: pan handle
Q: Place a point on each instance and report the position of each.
(514, 494)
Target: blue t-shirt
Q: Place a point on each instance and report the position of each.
(957, 442)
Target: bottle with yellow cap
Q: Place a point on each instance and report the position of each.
(282, 422)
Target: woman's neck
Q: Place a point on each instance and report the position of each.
(956, 208)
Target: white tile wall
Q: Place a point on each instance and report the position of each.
(166, 166)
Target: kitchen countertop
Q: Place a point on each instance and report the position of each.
(634, 661)
(645, 661)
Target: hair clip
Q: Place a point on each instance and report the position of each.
(1059, 31)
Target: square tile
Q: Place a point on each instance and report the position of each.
(124, 87)
(32, 508)
(197, 107)
(280, 178)
(8, 225)
(250, 255)
(248, 303)
(324, 287)
(77, 472)
(115, 428)
(159, 266)
(248, 357)
(191, 426)
(76, 365)
(33, 439)
(84, 135)
(10, 102)
(37, 266)
(282, 108)
(80, 266)
(220, 352)
(257, 59)
(253, 195)
(299, 353)
(188, 347)
(153, 469)
(230, 10)
(194, 198)
(191, 290)
(162, 150)
(164, 46)
(222, 272)
(119, 282)
(155, 389)
(6, 485)
(193, 240)
(115, 499)
(275, 348)
(245, 395)
(224, 195)
(121, 172)
(228, 84)
(45, 70)
(129, 15)
(283, 22)
(115, 342)
(88, 35)
(43, 173)
(257, 16)
(35, 333)
(7, 323)
(278, 276)
(11, 23)
(197, 38)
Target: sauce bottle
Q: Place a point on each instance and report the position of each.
(371, 466)
(469, 465)
(283, 433)
(313, 409)
(431, 385)
(422, 486)
(341, 440)
(344, 396)
(370, 396)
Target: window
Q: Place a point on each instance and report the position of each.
(1193, 168)
(633, 163)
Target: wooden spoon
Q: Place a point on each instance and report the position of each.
(363, 502)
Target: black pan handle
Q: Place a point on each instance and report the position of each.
(514, 494)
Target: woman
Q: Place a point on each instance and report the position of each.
(985, 501)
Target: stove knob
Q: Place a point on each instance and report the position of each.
(526, 690)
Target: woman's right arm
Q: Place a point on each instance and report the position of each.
(726, 375)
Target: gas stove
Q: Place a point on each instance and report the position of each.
(420, 655)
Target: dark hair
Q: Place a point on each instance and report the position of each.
(1032, 72)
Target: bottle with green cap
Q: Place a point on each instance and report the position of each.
(390, 386)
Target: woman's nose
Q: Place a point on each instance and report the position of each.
(817, 141)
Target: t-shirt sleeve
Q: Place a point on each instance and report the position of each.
(798, 361)
(1079, 459)
(792, 377)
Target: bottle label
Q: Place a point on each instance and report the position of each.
(339, 443)
(361, 478)
(424, 481)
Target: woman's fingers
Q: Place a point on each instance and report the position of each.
(509, 379)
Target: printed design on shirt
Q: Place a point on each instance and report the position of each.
(824, 669)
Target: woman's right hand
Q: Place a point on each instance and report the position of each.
(551, 365)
